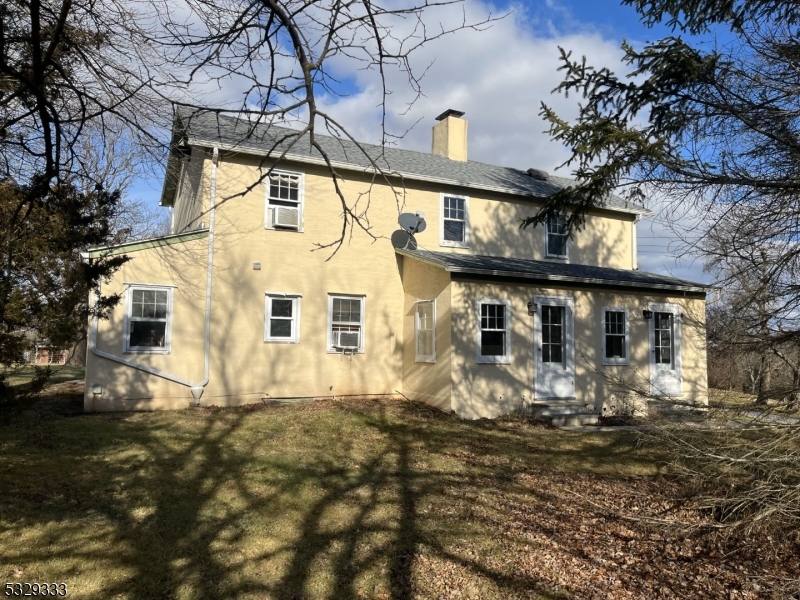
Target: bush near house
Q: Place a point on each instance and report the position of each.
(355, 499)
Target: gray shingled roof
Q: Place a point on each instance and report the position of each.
(208, 128)
(550, 271)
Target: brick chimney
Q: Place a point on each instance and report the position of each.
(450, 136)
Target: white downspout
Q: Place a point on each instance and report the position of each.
(196, 388)
(634, 244)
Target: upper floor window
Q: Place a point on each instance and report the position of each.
(282, 318)
(454, 224)
(556, 236)
(148, 319)
(284, 201)
(615, 336)
(345, 323)
(425, 329)
(494, 333)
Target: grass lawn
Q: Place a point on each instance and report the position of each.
(332, 500)
(59, 374)
(734, 400)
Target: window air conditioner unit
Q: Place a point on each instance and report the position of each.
(345, 340)
(285, 216)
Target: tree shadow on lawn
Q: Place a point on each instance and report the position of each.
(276, 503)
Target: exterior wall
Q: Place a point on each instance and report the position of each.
(490, 390)
(126, 388)
(244, 368)
(494, 229)
(424, 381)
(189, 209)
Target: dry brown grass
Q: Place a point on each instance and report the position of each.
(366, 499)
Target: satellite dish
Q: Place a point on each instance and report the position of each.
(402, 239)
(412, 223)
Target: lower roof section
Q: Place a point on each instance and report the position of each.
(553, 272)
(166, 240)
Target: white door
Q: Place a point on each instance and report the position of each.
(554, 347)
(665, 350)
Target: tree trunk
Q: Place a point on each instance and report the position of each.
(764, 380)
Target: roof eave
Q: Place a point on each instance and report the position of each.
(553, 278)
(165, 240)
(584, 280)
(172, 173)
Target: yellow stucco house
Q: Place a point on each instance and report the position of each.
(473, 315)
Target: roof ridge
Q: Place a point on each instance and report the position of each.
(379, 146)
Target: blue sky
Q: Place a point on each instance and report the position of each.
(498, 77)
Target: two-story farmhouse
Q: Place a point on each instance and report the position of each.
(478, 316)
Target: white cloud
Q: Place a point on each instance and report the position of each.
(498, 77)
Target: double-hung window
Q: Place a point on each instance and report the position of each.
(284, 201)
(494, 331)
(148, 319)
(454, 224)
(556, 236)
(345, 323)
(616, 345)
(282, 318)
(425, 330)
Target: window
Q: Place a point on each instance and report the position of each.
(553, 334)
(346, 323)
(615, 337)
(454, 226)
(663, 329)
(494, 342)
(282, 318)
(425, 329)
(556, 236)
(148, 319)
(284, 201)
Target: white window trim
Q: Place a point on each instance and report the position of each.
(452, 243)
(127, 348)
(627, 338)
(499, 360)
(417, 356)
(295, 338)
(363, 298)
(300, 196)
(547, 254)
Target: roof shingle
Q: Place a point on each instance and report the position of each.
(209, 128)
(496, 266)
